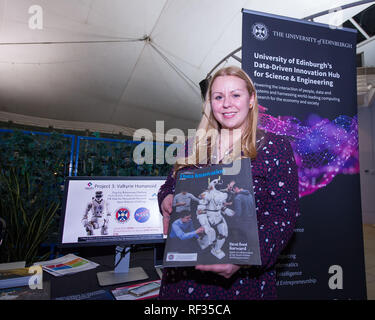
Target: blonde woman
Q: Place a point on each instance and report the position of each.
(227, 131)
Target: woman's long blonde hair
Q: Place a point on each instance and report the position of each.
(209, 129)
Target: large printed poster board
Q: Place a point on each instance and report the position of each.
(100, 210)
(305, 76)
(214, 217)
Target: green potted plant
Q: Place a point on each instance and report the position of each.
(28, 215)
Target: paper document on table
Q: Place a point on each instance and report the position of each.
(130, 293)
(67, 264)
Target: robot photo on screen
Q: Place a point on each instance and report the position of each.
(99, 217)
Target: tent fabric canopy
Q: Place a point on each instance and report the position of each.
(108, 65)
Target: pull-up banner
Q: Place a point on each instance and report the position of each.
(305, 76)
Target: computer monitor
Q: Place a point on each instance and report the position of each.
(108, 211)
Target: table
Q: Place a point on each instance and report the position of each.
(87, 281)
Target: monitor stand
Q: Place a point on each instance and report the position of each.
(122, 273)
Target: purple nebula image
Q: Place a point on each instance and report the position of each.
(322, 148)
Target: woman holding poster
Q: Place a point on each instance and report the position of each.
(231, 108)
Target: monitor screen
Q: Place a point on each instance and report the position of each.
(111, 211)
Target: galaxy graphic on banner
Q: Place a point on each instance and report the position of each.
(322, 148)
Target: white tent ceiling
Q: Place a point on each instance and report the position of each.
(91, 66)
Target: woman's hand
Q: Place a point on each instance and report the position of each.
(225, 270)
(166, 210)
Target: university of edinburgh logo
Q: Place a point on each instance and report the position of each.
(122, 215)
(260, 31)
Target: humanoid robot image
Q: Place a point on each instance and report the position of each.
(99, 215)
(216, 227)
(210, 235)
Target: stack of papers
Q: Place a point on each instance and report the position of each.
(122, 293)
(26, 293)
(15, 277)
(67, 264)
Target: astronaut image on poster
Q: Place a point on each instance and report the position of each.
(213, 219)
(96, 216)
